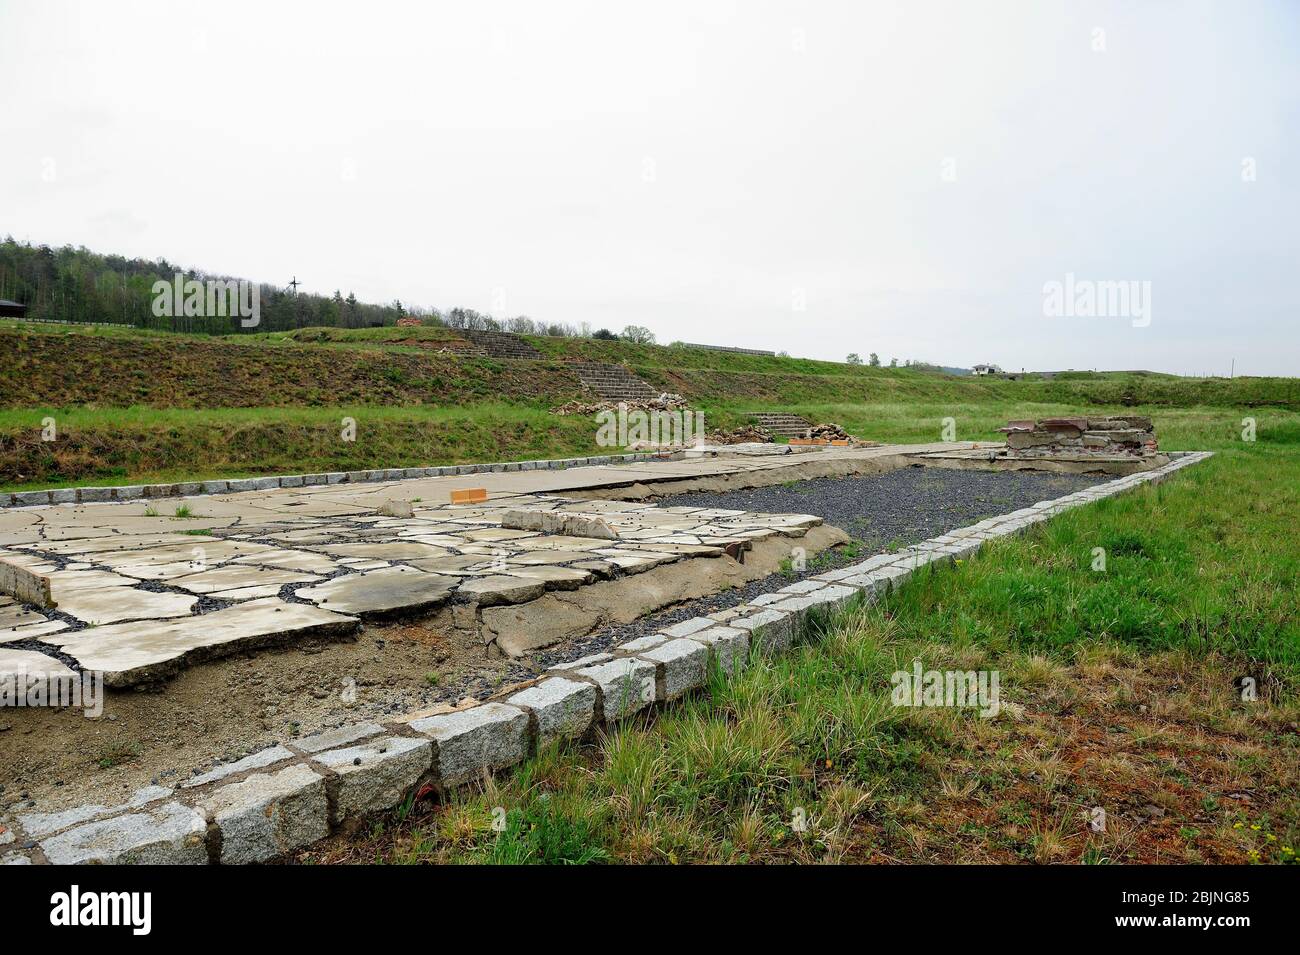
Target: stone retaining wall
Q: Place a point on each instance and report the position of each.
(135, 492)
(281, 799)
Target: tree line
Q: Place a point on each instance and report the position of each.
(70, 284)
(77, 285)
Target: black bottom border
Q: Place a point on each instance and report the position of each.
(332, 903)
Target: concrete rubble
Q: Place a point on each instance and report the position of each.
(664, 402)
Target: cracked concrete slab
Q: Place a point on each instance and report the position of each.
(502, 589)
(404, 550)
(138, 652)
(14, 614)
(300, 560)
(113, 604)
(235, 576)
(30, 631)
(17, 662)
(380, 591)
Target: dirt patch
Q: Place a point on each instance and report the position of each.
(1118, 759)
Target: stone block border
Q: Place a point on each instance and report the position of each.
(281, 799)
(136, 492)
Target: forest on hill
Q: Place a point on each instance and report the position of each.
(77, 285)
(70, 284)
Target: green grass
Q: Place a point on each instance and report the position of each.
(1178, 428)
(1122, 678)
(1197, 564)
(405, 366)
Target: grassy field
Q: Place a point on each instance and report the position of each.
(1118, 692)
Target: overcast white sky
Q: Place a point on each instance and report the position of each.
(913, 172)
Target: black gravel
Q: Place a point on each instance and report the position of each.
(898, 508)
(881, 512)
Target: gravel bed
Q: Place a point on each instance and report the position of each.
(881, 512)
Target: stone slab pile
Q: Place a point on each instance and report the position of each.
(1130, 435)
(746, 434)
(830, 431)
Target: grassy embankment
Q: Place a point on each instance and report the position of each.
(1118, 692)
(149, 406)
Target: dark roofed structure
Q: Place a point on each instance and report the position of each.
(10, 309)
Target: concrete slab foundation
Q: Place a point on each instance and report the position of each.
(267, 807)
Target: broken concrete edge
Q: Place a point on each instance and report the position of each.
(138, 492)
(25, 586)
(342, 627)
(281, 799)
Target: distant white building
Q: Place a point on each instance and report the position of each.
(987, 370)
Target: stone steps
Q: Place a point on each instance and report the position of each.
(782, 423)
(612, 382)
(499, 344)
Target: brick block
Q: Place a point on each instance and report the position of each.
(728, 647)
(376, 775)
(681, 666)
(469, 495)
(268, 815)
(482, 739)
(167, 834)
(626, 685)
(563, 709)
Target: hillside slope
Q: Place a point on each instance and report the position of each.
(63, 370)
(61, 366)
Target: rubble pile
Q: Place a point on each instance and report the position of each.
(665, 402)
(1130, 435)
(822, 435)
(747, 434)
(830, 431)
